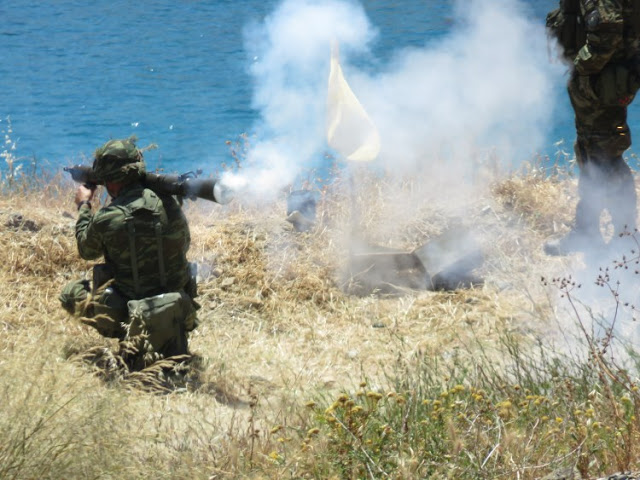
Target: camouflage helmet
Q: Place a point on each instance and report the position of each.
(118, 161)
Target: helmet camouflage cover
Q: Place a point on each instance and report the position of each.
(118, 161)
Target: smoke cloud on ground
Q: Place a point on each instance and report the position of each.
(487, 85)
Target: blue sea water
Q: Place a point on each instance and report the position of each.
(75, 73)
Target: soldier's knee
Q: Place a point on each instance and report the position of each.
(73, 297)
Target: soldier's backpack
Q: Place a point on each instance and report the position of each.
(565, 25)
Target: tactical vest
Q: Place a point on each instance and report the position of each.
(136, 215)
(152, 247)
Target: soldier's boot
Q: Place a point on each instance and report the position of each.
(584, 236)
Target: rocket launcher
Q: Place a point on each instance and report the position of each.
(186, 185)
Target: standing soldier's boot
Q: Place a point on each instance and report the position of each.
(584, 235)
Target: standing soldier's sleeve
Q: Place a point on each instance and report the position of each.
(88, 236)
(604, 25)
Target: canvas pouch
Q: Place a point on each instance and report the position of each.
(162, 319)
(616, 85)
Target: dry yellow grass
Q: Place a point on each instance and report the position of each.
(276, 328)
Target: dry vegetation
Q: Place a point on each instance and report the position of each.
(293, 377)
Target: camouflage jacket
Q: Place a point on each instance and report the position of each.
(613, 34)
(139, 221)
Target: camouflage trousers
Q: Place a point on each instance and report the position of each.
(106, 310)
(155, 327)
(606, 181)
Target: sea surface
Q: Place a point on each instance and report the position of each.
(176, 73)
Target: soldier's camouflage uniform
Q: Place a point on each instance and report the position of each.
(144, 239)
(604, 81)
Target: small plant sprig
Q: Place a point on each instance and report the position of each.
(8, 153)
(621, 393)
(13, 178)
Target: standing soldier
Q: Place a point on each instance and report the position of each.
(144, 291)
(600, 40)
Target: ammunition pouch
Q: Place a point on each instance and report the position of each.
(102, 273)
(163, 320)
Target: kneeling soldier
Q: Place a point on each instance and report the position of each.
(144, 291)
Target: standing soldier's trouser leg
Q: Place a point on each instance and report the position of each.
(621, 198)
(588, 118)
(606, 181)
(591, 193)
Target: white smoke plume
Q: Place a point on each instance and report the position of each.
(290, 52)
(489, 83)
